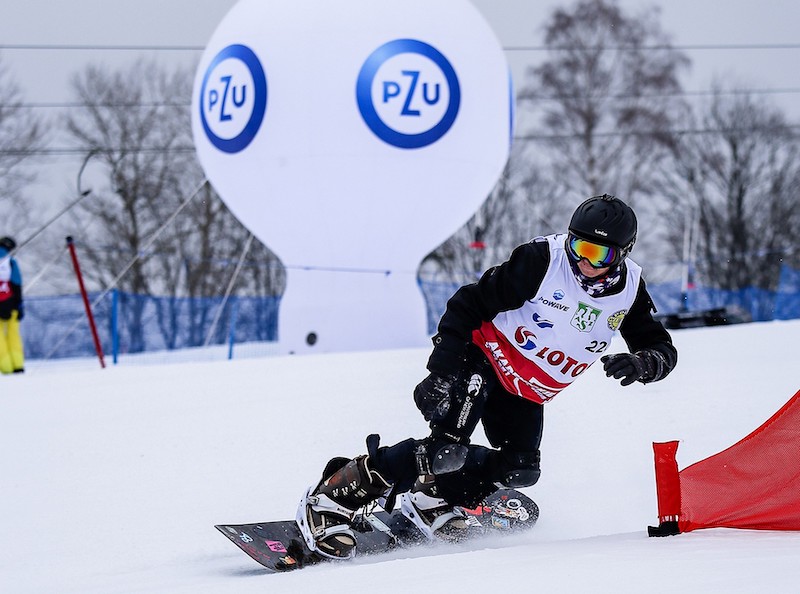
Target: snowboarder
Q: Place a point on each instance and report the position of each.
(12, 357)
(505, 346)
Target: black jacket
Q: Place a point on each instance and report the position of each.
(508, 286)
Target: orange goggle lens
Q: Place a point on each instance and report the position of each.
(599, 256)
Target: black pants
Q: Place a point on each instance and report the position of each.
(513, 425)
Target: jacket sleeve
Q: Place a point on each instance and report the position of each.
(643, 333)
(16, 284)
(501, 288)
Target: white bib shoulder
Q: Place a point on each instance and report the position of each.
(541, 347)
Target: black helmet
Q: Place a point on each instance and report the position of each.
(8, 243)
(606, 220)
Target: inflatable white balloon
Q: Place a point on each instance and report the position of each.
(352, 138)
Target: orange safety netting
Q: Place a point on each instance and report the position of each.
(753, 484)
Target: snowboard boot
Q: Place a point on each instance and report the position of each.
(327, 510)
(434, 517)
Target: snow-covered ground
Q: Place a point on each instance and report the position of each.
(111, 480)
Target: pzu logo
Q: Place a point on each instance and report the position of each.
(408, 93)
(233, 98)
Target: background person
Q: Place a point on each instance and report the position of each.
(12, 356)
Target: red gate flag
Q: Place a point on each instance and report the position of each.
(753, 484)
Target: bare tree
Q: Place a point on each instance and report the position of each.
(21, 133)
(136, 125)
(607, 95)
(518, 208)
(735, 175)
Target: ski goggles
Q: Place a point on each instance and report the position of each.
(598, 255)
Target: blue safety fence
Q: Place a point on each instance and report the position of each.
(787, 298)
(761, 305)
(436, 294)
(56, 327)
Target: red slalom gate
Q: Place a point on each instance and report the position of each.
(97, 346)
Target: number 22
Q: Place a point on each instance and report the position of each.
(597, 346)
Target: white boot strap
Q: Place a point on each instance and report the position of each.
(312, 534)
(442, 519)
(424, 501)
(411, 504)
(323, 503)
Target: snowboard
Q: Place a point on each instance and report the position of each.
(279, 545)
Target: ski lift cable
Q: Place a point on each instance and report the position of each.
(125, 270)
(229, 289)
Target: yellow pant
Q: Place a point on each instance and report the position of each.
(12, 357)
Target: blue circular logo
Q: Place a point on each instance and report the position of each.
(408, 93)
(233, 98)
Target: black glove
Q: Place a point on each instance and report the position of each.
(432, 396)
(628, 367)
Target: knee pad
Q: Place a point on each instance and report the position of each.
(519, 469)
(525, 477)
(471, 483)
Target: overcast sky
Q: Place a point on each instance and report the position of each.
(43, 73)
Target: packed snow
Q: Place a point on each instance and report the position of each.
(112, 480)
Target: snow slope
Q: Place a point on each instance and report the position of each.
(113, 479)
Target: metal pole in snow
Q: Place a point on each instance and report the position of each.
(115, 325)
(232, 329)
(97, 346)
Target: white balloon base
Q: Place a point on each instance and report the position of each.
(339, 310)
